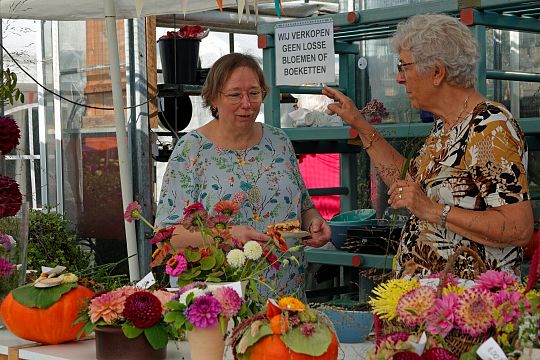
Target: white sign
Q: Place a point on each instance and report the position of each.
(305, 52)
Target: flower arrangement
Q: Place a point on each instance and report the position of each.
(222, 258)
(195, 32)
(495, 304)
(286, 330)
(135, 310)
(374, 111)
(199, 305)
(8, 273)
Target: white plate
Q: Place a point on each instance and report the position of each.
(295, 234)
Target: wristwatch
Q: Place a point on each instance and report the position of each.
(446, 209)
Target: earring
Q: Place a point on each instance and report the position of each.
(214, 112)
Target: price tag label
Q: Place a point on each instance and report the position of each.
(490, 350)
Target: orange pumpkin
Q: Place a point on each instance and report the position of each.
(48, 326)
(272, 348)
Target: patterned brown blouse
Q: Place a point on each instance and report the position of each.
(478, 164)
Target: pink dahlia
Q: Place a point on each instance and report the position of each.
(164, 297)
(509, 306)
(440, 319)
(10, 197)
(204, 311)
(494, 281)
(6, 268)
(142, 309)
(176, 265)
(9, 134)
(474, 312)
(6, 241)
(414, 305)
(229, 299)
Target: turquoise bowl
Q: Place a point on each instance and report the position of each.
(351, 326)
(341, 223)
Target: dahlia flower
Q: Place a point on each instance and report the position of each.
(6, 268)
(385, 302)
(107, 307)
(414, 305)
(142, 309)
(236, 258)
(474, 311)
(204, 311)
(494, 281)
(252, 250)
(10, 197)
(229, 299)
(7, 241)
(510, 305)
(440, 319)
(9, 134)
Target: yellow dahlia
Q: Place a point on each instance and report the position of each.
(414, 305)
(291, 304)
(458, 290)
(387, 295)
(475, 309)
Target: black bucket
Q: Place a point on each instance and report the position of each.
(179, 58)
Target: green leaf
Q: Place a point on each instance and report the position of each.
(212, 279)
(220, 257)
(264, 330)
(188, 275)
(42, 298)
(157, 336)
(208, 262)
(192, 255)
(175, 305)
(315, 345)
(131, 331)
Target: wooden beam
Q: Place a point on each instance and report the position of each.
(151, 71)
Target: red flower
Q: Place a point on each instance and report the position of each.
(10, 197)
(142, 309)
(163, 234)
(188, 210)
(9, 134)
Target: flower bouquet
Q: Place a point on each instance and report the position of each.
(287, 330)
(374, 111)
(128, 312)
(456, 315)
(222, 259)
(202, 312)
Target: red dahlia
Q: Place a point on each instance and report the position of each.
(142, 309)
(10, 197)
(9, 134)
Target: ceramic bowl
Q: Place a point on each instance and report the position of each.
(341, 223)
(351, 326)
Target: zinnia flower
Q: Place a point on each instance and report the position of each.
(219, 221)
(142, 309)
(6, 268)
(414, 305)
(227, 207)
(252, 250)
(9, 134)
(271, 258)
(229, 299)
(204, 311)
(10, 197)
(176, 265)
(162, 235)
(193, 219)
(494, 281)
(440, 319)
(133, 212)
(221, 236)
(474, 312)
(290, 303)
(195, 207)
(236, 258)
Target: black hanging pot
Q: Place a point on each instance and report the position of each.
(179, 59)
(175, 113)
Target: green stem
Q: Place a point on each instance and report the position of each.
(147, 222)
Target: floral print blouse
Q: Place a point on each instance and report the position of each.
(478, 164)
(265, 179)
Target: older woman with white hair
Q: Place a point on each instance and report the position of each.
(467, 183)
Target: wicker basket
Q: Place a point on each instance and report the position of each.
(456, 341)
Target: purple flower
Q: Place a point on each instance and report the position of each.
(6, 268)
(6, 241)
(204, 311)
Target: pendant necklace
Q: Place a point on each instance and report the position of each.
(465, 106)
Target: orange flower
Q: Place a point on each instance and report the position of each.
(227, 207)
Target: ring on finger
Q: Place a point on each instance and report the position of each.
(399, 196)
(400, 189)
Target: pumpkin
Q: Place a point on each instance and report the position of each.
(53, 325)
(272, 348)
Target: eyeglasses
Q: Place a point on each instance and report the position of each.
(400, 65)
(254, 96)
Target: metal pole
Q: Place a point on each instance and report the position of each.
(121, 136)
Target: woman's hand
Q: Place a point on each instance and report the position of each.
(408, 194)
(343, 106)
(245, 233)
(320, 233)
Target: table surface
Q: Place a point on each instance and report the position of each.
(85, 349)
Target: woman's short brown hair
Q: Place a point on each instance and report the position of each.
(221, 71)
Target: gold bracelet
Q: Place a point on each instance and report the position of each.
(370, 141)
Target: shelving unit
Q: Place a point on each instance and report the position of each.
(371, 24)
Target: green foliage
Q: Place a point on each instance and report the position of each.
(8, 88)
(51, 243)
(42, 298)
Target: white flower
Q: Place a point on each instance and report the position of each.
(236, 258)
(195, 291)
(252, 250)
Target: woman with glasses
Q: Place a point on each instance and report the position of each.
(233, 157)
(466, 184)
